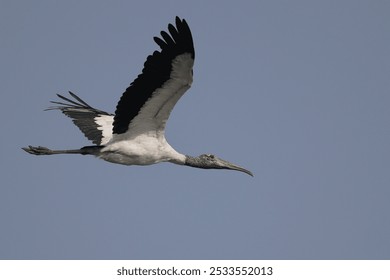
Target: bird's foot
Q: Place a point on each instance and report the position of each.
(38, 150)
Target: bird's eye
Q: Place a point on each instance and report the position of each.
(211, 156)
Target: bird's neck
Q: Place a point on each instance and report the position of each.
(193, 162)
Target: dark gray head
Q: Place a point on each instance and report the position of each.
(207, 161)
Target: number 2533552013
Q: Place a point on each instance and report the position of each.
(240, 270)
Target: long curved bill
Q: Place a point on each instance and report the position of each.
(224, 164)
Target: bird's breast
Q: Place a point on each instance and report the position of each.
(139, 151)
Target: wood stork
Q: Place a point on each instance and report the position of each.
(134, 135)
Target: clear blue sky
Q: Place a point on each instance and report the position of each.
(296, 91)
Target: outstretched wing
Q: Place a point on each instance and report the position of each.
(146, 104)
(95, 124)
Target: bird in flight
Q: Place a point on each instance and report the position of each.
(135, 134)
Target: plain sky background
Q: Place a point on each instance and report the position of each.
(296, 91)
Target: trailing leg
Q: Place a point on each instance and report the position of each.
(39, 151)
